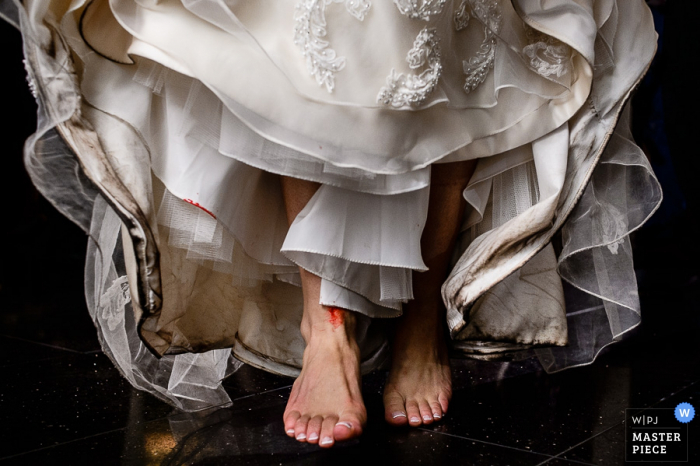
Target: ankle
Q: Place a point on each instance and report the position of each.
(412, 330)
(419, 339)
(328, 323)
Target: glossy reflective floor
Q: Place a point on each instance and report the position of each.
(63, 402)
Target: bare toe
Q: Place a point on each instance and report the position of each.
(326, 440)
(437, 410)
(413, 412)
(347, 428)
(290, 420)
(394, 410)
(313, 429)
(444, 401)
(300, 428)
(426, 413)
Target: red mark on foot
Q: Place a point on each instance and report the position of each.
(336, 316)
(196, 204)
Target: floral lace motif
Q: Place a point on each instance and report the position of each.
(420, 9)
(461, 16)
(548, 56)
(309, 29)
(476, 68)
(488, 12)
(412, 89)
(113, 300)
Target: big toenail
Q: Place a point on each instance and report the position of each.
(415, 419)
(301, 437)
(326, 441)
(313, 436)
(346, 424)
(395, 415)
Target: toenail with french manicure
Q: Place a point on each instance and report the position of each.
(290, 431)
(346, 424)
(427, 418)
(301, 437)
(415, 419)
(395, 415)
(437, 416)
(326, 441)
(313, 436)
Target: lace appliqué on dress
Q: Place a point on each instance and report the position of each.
(309, 29)
(476, 68)
(547, 55)
(461, 16)
(412, 89)
(420, 9)
(113, 300)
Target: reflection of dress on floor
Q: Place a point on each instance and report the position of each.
(176, 117)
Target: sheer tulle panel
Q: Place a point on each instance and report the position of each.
(57, 174)
(208, 242)
(622, 195)
(9, 12)
(512, 193)
(50, 162)
(596, 259)
(189, 381)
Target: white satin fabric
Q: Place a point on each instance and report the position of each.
(198, 106)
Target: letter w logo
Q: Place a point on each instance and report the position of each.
(684, 412)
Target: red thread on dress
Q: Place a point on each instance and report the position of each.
(336, 316)
(196, 204)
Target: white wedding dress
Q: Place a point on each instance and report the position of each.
(164, 126)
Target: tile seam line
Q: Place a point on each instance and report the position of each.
(260, 393)
(42, 344)
(550, 457)
(62, 443)
(672, 394)
(558, 455)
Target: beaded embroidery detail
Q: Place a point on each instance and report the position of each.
(476, 68)
(548, 56)
(309, 30)
(412, 89)
(420, 9)
(461, 16)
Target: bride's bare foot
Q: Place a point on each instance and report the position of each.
(420, 384)
(326, 405)
(419, 388)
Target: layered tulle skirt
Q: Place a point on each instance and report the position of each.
(164, 127)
